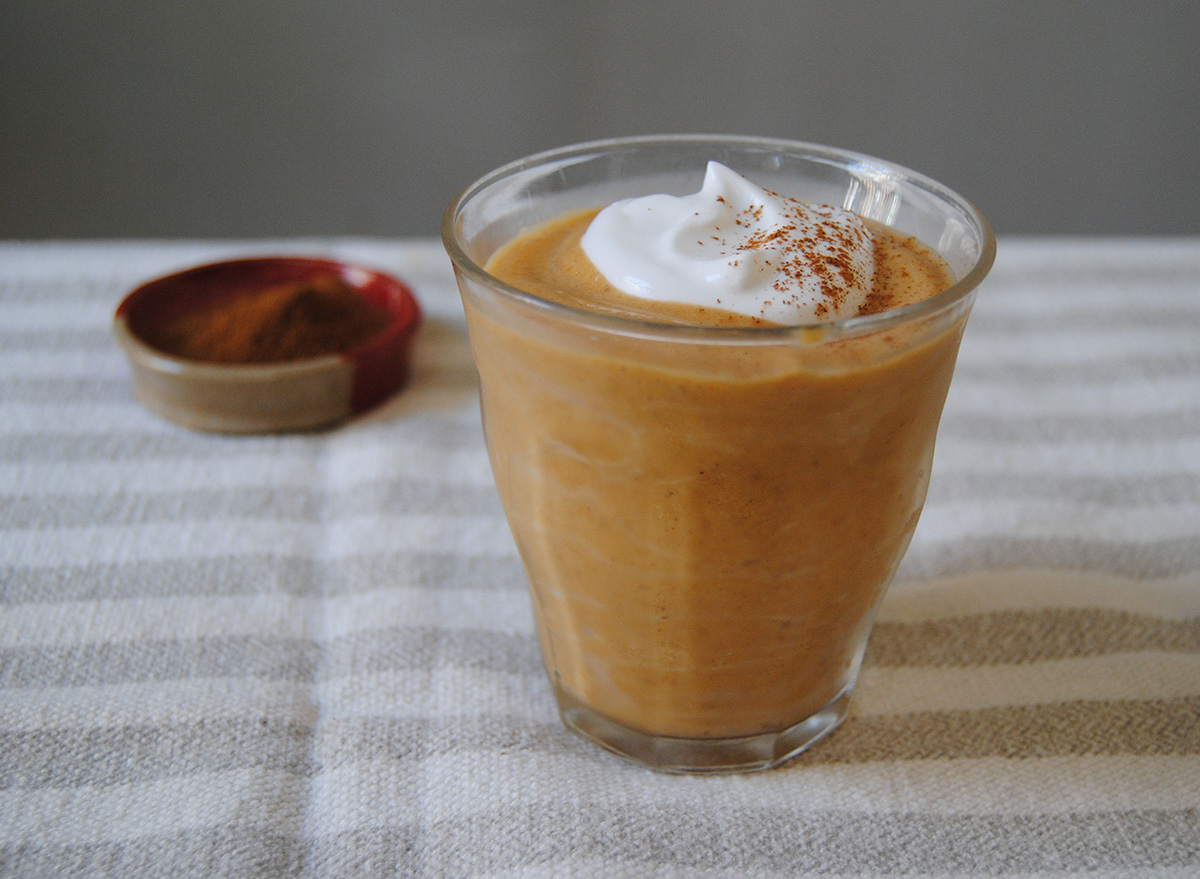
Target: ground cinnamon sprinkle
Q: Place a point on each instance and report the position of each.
(287, 322)
(807, 250)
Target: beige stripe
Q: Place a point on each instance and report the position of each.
(1024, 636)
(917, 599)
(372, 641)
(68, 757)
(1166, 727)
(449, 691)
(1139, 559)
(632, 844)
(605, 867)
(961, 631)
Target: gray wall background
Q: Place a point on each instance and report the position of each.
(144, 118)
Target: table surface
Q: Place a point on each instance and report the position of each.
(313, 655)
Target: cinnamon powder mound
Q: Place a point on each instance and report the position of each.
(291, 321)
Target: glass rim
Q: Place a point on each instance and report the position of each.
(640, 326)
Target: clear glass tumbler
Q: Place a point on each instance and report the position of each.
(708, 517)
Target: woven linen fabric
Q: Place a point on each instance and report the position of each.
(312, 655)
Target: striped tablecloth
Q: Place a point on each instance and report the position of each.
(313, 655)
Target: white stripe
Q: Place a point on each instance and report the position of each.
(1052, 520)
(1062, 346)
(489, 535)
(990, 786)
(1095, 260)
(123, 263)
(1059, 301)
(366, 455)
(71, 363)
(1062, 302)
(1126, 399)
(437, 294)
(247, 798)
(116, 417)
(159, 703)
(1055, 346)
(51, 261)
(363, 460)
(424, 395)
(55, 363)
(274, 616)
(50, 315)
(407, 693)
(1078, 457)
(235, 469)
(82, 419)
(351, 536)
(1129, 676)
(448, 691)
(978, 592)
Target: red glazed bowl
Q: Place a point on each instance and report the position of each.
(268, 397)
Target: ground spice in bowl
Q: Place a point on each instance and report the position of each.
(267, 344)
(289, 321)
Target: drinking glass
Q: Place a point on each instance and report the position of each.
(708, 517)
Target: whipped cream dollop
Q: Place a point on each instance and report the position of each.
(738, 247)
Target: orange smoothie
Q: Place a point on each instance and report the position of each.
(707, 528)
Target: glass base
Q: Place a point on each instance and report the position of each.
(699, 756)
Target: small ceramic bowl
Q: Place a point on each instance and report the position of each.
(270, 397)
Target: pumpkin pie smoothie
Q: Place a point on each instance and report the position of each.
(712, 444)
